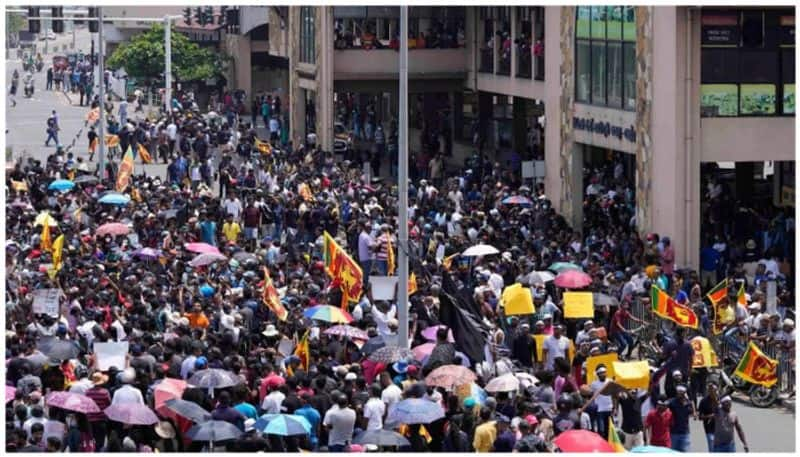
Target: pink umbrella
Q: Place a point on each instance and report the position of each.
(201, 248)
(422, 351)
(167, 389)
(347, 331)
(430, 333)
(72, 402)
(113, 228)
(207, 258)
(132, 414)
(10, 392)
(573, 279)
(450, 376)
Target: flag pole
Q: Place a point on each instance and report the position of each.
(402, 187)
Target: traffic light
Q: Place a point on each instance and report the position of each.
(198, 16)
(58, 23)
(223, 14)
(94, 26)
(34, 25)
(187, 16)
(208, 12)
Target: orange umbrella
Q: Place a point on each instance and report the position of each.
(168, 389)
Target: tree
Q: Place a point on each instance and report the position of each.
(143, 58)
(14, 23)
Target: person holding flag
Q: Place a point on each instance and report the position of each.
(382, 247)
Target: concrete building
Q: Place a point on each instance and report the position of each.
(668, 89)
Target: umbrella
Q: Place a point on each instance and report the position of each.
(573, 279)
(58, 349)
(148, 253)
(168, 214)
(244, 256)
(71, 401)
(348, 331)
(391, 354)
(10, 393)
(449, 376)
(286, 425)
(471, 390)
(187, 409)
(45, 218)
(214, 431)
(582, 441)
(115, 198)
(328, 313)
(131, 414)
(517, 200)
(540, 277)
(207, 259)
(372, 345)
(113, 228)
(61, 184)
(604, 300)
(505, 383)
(201, 248)
(85, 179)
(423, 351)
(214, 378)
(558, 267)
(381, 438)
(430, 333)
(526, 380)
(479, 250)
(415, 411)
(167, 389)
(653, 450)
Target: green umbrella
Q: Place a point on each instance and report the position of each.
(558, 267)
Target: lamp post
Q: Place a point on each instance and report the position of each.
(402, 185)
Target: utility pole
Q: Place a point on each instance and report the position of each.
(168, 65)
(402, 185)
(101, 134)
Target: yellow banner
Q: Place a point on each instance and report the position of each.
(578, 305)
(632, 375)
(593, 362)
(517, 300)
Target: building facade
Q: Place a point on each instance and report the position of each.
(667, 88)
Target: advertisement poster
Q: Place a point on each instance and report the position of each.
(719, 100)
(758, 99)
(788, 99)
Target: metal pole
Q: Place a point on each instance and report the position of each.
(101, 134)
(402, 186)
(168, 65)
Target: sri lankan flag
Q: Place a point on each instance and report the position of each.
(447, 262)
(741, 298)
(412, 284)
(613, 437)
(269, 295)
(46, 244)
(719, 292)
(263, 146)
(390, 260)
(125, 170)
(757, 368)
(302, 351)
(665, 306)
(93, 115)
(58, 248)
(343, 270)
(144, 154)
(112, 141)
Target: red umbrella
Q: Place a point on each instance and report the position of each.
(201, 248)
(72, 402)
(167, 389)
(582, 441)
(573, 279)
(113, 228)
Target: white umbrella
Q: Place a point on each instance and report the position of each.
(505, 383)
(540, 277)
(527, 380)
(479, 250)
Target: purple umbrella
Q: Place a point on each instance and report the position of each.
(148, 253)
(10, 392)
(207, 259)
(131, 413)
(72, 402)
(430, 333)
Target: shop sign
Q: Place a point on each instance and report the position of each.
(604, 128)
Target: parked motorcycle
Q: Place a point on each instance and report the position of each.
(728, 382)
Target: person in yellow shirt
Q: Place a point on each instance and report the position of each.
(486, 433)
(231, 229)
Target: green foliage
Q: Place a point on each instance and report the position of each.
(143, 57)
(15, 22)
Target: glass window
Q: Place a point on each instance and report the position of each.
(719, 100)
(752, 29)
(757, 99)
(788, 99)
(614, 23)
(599, 73)
(787, 65)
(307, 31)
(629, 23)
(614, 74)
(719, 65)
(582, 23)
(583, 75)
(758, 66)
(629, 75)
(599, 22)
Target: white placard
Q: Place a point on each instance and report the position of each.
(538, 171)
(528, 169)
(45, 301)
(383, 287)
(772, 297)
(111, 355)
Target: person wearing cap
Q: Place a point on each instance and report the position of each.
(658, 424)
(682, 409)
(127, 393)
(603, 403)
(725, 421)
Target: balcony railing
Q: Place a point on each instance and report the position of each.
(524, 63)
(487, 61)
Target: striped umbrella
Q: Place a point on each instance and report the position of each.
(347, 331)
(328, 313)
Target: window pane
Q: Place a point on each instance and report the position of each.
(787, 65)
(599, 73)
(614, 23)
(582, 71)
(599, 22)
(615, 74)
(629, 24)
(719, 100)
(788, 99)
(757, 99)
(582, 23)
(752, 29)
(758, 66)
(719, 65)
(629, 75)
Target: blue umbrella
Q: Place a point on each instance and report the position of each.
(61, 184)
(115, 198)
(652, 449)
(517, 200)
(285, 425)
(415, 411)
(213, 431)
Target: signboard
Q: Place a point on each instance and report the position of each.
(383, 287)
(605, 128)
(578, 305)
(607, 360)
(528, 169)
(45, 301)
(111, 355)
(720, 29)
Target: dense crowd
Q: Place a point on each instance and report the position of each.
(266, 209)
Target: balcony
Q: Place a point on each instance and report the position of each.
(355, 64)
(524, 63)
(487, 61)
(539, 73)
(504, 64)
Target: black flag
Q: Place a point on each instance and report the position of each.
(459, 314)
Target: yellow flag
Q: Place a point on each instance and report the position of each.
(47, 243)
(412, 284)
(631, 375)
(144, 154)
(58, 248)
(517, 300)
(390, 259)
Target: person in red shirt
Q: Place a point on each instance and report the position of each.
(619, 333)
(658, 423)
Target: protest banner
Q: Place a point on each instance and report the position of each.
(111, 355)
(45, 301)
(606, 360)
(578, 305)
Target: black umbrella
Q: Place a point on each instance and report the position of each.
(381, 438)
(85, 179)
(188, 409)
(372, 345)
(58, 349)
(604, 300)
(214, 431)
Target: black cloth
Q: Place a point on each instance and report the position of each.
(631, 414)
(468, 330)
(523, 348)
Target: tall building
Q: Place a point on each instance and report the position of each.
(663, 90)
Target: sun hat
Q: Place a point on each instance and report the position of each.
(165, 430)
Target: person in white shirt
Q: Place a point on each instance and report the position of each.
(382, 313)
(604, 403)
(374, 410)
(273, 401)
(233, 206)
(554, 346)
(127, 393)
(391, 393)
